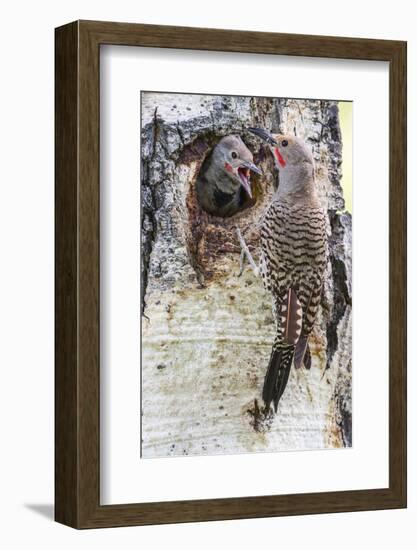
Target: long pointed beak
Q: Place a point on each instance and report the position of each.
(263, 134)
(252, 167)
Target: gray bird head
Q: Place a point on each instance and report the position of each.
(286, 150)
(294, 161)
(234, 162)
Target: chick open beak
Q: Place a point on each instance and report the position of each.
(244, 174)
(263, 134)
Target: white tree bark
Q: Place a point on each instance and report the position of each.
(206, 333)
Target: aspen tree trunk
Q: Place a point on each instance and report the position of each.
(207, 333)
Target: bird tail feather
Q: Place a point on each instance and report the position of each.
(277, 375)
(302, 353)
(307, 358)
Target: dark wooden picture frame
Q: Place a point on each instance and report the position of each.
(77, 372)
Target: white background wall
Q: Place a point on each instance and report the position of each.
(26, 274)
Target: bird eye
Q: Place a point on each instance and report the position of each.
(284, 142)
(234, 155)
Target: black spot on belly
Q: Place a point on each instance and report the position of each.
(221, 198)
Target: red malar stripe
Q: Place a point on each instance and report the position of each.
(279, 157)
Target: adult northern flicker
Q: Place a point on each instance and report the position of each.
(223, 183)
(293, 259)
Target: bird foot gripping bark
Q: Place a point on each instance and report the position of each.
(245, 253)
(260, 418)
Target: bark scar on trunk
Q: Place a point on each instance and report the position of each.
(211, 237)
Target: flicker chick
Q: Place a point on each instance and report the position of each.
(223, 183)
(293, 258)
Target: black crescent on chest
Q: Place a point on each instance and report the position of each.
(221, 198)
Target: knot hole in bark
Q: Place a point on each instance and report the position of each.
(212, 239)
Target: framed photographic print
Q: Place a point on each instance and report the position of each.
(230, 274)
